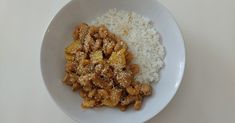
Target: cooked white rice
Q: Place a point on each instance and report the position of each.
(142, 39)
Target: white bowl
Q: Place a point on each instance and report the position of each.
(59, 34)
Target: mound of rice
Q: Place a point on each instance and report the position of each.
(142, 39)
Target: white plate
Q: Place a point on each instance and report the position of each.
(58, 35)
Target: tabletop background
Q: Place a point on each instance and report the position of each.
(207, 93)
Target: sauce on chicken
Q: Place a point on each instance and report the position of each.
(99, 66)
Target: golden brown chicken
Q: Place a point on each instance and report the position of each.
(98, 66)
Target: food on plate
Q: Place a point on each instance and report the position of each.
(113, 61)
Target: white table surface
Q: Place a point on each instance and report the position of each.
(207, 93)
